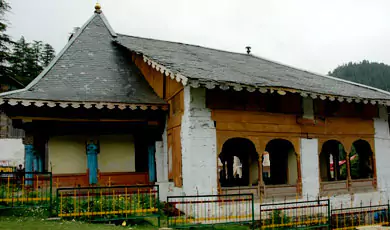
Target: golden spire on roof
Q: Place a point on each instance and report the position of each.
(98, 8)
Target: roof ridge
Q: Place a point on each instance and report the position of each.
(61, 53)
(181, 43)
(268, 60)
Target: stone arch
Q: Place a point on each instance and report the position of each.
(333, 163)
(238, 154)
(283, 158)
(361, 160)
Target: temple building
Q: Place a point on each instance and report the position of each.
(119, 109)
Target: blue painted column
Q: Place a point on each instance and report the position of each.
(29, 157)
(35, 162)
(92, 162)
(151, 162)
(40, 163)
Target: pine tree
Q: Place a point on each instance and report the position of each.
(48, 53)
(18, 60)
(5, 41)
(21, 60)
(365, 72)
(29, 59)
(34, 63)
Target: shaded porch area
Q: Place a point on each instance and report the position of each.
(91, 147)
(96, 153)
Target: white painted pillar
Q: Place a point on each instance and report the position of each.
(310, 168)
(382, 151)
(162, 165)
(309, 156)
(162, 157)
(198, 141)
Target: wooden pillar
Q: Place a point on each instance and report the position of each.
(152, 162)
(92, 161)
(260, 169)
(349, 179)
(28, 142)
(299, 179)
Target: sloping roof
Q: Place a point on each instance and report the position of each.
(217, 67)
(91, 68)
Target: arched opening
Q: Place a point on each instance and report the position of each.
(361, 160)
(280, 166)
(239, 161)
(333, 164)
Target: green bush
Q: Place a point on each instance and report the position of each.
(132, 205)
(275, 218)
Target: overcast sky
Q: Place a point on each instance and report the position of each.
(316, 35)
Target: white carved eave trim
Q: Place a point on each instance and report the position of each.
(76, 105)
(239, 87)
(282, 91)
(162, 69)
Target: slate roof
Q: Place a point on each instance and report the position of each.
(91, 68)
(95, 67)
(207, 64)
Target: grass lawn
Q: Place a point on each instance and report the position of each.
(25, 223)
(14, 223)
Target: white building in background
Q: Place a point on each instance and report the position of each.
(11, 152)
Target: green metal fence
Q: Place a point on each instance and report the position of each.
(191, 211)
(350, 218)
(295, 215)
(25, 189)
(108, 203)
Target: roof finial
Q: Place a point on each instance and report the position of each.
(98, 8)
(248, 49)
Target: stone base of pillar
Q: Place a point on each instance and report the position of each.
(167, 188)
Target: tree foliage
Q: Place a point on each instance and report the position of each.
(5, 41)
(21, 60)
(28, 59)
(368, 73)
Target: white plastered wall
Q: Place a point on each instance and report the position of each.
(166, 188)
(198, 141)
(162, 157)
(309, 167)
(382, 152)
(117, 153)
(67, 154)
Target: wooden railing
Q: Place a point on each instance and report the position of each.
(279, 192)
(105, 178)
(332, 188)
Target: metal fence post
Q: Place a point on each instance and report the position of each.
(388, 211)
(253, 212)
(329, 215)
(158, 207)
(57, 203)
(51, 194)
(260, 223)
(168, 225)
